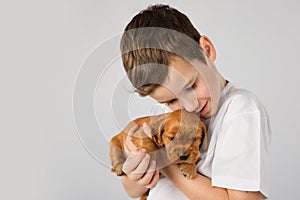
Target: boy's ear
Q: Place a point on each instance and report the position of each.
(208, 48)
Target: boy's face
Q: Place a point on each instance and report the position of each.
(186, 88)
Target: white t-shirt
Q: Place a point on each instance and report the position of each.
(239, 136)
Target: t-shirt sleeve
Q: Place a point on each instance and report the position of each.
(241, 153)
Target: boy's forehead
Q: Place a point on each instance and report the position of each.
(181, 72)
(162, 94)
(184, 67)
(180, 76)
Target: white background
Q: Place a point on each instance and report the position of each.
(44, 43)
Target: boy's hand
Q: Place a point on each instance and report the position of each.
(138, 166)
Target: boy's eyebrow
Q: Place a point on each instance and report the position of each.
(186, 85)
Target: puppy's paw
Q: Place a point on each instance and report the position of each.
(117, 171)
(188, 171)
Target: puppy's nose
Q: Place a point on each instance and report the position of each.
(184, 156)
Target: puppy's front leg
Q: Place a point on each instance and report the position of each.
(117, 158)
(188, 169)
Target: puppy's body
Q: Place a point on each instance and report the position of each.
(180, 133)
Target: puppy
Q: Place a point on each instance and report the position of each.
(178, 133)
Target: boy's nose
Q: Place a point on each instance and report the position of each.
(189, 108)
(190, 105)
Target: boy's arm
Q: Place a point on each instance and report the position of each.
(200, 187)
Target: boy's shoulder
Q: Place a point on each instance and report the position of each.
(240, 101)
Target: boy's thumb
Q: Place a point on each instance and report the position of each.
(147, 129)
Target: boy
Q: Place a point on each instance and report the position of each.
(166, 58)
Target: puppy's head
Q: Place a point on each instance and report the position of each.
(181, 133)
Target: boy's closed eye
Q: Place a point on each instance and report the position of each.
(188, 89)
(171, 102)
(192, 87)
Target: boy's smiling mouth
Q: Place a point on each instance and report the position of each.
(204, 109)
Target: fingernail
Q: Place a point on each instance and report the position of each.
(143, 150)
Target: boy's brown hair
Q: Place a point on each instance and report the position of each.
(150, 41)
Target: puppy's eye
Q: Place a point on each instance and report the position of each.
(172, 138)
(194, 139)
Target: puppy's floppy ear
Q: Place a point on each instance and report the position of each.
(157, 124)
(204, 142)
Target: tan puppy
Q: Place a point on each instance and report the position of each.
(179, 132)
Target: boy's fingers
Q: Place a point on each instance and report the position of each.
(129, 146)
(146, 179)
(132, 162)
(140, 169)
(154, 180)
(143, 165)
(147, 129)
(133, 130)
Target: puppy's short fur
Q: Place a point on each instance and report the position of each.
(179, 132)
